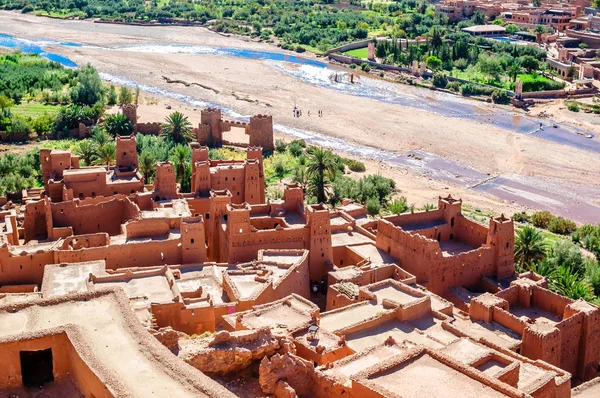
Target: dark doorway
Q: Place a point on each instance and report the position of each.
(36, 367)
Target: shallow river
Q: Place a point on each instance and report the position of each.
(570, 201)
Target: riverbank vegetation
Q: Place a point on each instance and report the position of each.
(571, 271)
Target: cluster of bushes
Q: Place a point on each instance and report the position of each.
(373, 190)
(569, 272)
(18, 172)
(547, 220)
(536, 82)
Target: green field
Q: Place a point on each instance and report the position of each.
(33, 109)
(361, 53)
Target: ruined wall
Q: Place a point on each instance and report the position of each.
(195, 320)
(106, 216)
(25, 268)
(146, 227)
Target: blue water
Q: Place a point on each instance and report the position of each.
(505, 39)
(37, 48)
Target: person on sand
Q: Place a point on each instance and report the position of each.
(309, 113)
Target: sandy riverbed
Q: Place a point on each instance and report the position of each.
(394, 128)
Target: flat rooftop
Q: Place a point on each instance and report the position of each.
(425, 331)
(349, 366)
(72, 278)
(440, 380)
(493, 332)
(372, 253)
(347, 316)
(392, 292)
(343, 238)
(536, 314)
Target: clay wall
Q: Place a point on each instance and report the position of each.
(106, 216)
(260, 130)
(416, 252)
(463, 269)
(65, 361)
(542, 344)
(148, 128)
(343, 256)
(86, 241)
(549, 301)
(196, 320)
(336, 299)
(35, 224)
(24, 269)
(126, 152)
(415, 217)
(414, 310)
(244, 247)
(469, 231)
(131, 254)
(508, 320)
(510, 294)
(146, 227)
(570, 337)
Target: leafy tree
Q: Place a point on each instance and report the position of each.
(118, 124)
(514, 69)
(177, 128)
(100, 137)
(105, 154)
(436, 40)
(111, 98)
(373, 206)
(490, 66)
(433, 62)
(478, 18)
(86, 150)
(125, 95)
(90, 89)
(536, 3)
(180, 156)
(530, 63)
(147, 164)
(529, 247)
(511, 29)
(398, 206)
(321, 168)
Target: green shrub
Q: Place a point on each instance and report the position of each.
(500, 97)
(295, 149)
(280, 146)
(573, 107)
(474, 89)
(354, 165)
(541, 219)
(561, 226)
(521, 217)
(440, 79)
(365, 67)
(300, 49)
(279, 167)
(453, 86)
(373, 206)
(398, 206)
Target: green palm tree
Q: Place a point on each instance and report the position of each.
(514, 69)
(118, 124)
(322, 168)
(179, 157)
(86, 150)
(147, 165)
(529, 246)
(105, 154)
(99, 136)
(569, 283)
(178, 128)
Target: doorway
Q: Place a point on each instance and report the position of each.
(36, 367)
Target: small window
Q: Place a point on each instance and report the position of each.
(207, 216)
(192, 241)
